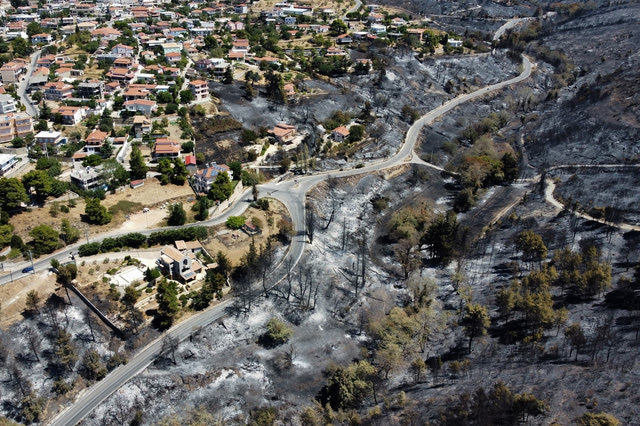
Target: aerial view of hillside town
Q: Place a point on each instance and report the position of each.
(319, 212)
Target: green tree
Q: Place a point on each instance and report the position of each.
(45, 239)
(599, 419)
(95, 212)
(115, 175)
(18, 142)
(164, 97)
(510, 167)
(224, 264)
(236, 169)
(575, 337)
(440, 237)
(275, 87)
(6, 235)
(106, 150)
(180, 173)
(202, 208)
(34, 28)
(475, 321)
(235, 222)
(68, 233)
(168, 304)
(138, 167)
(356, 133)
(177, 215)
(65, 351)
(531, 246)
(33, 301)
(186, 96)
(131, 295)
(213, 284)
(285, 164)
(277, 333)
(348, 387)
(337, 27)
(51, 165)
(222, 188)
(21, 48)
(12, 194)
(31, 406)
(228, 75)
(165, 170)
(91, 367)
(40, 181)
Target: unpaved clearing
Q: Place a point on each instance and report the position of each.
(13, 295)
(152, 195)
(235, 243)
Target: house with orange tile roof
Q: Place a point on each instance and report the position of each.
(72, 115)
(57, 91)
(12, 70)
(95, 141)
(166, 148)
(339, 134)
(283, 133)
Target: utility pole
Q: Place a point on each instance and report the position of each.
(86, 234)
(31, 259)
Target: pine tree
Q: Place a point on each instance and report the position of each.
(138, 166)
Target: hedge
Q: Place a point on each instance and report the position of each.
(135, 240)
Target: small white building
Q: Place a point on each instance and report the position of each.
(7, 162)
(48, 138)
(7, 104)
(87, 178)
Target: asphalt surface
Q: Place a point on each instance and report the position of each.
(22, 87)
(292, 194)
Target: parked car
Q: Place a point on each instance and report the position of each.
(27, 269)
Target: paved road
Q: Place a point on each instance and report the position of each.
(92, 397)
(353, 9)
(507, 26)
(44, 262)
(292, 193)
(22, 87)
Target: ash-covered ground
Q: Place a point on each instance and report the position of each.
(405, 81)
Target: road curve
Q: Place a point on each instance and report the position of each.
(292, 193)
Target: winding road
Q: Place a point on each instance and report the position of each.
(292, 194)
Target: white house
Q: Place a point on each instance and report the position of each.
(182, 266)
(7, 161)
(48, 138)
(141, 105)
(122, 50)
(203, 178)
(7, 104)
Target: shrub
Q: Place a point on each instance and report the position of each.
(235, 222)
(89, 249)
(277, 333)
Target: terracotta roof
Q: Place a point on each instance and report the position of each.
(342, 130)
